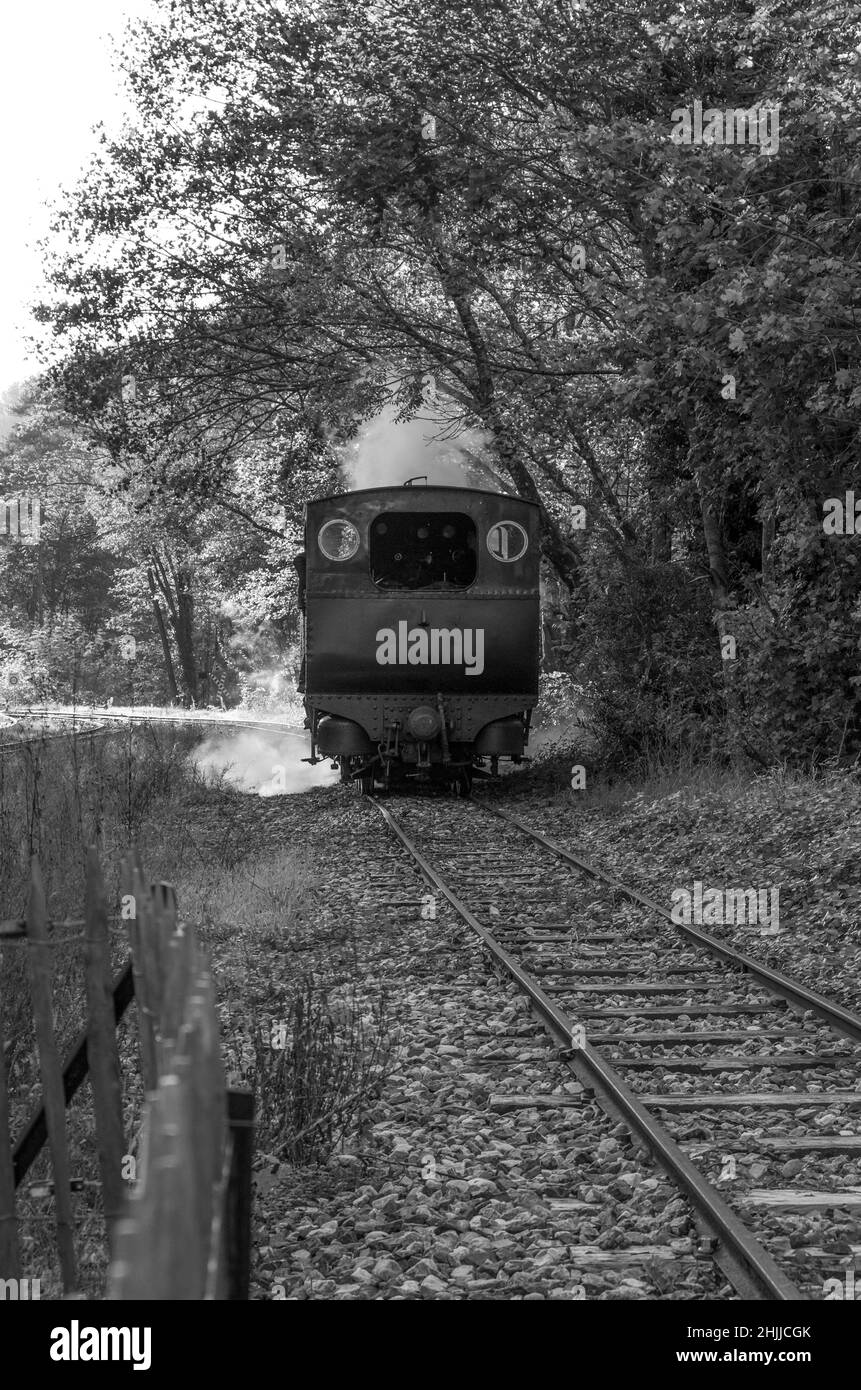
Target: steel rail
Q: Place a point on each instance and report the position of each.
(102, 716)
(9, 744)
(217, 718)
(838, 1018)
(749, 1266)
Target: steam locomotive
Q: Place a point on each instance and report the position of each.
(421, 632)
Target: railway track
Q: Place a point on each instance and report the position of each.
(100, 722)
(9, 745)
(695, 1047)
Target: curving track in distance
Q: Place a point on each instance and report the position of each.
(638, 1015)
(110, 721)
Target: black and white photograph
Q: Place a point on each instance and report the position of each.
(430, 675)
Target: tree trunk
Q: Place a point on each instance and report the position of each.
(719, 577)
(716, 553)
(184, 632)
(175, 585)
(162, 632)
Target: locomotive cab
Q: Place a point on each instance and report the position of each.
(421, 631)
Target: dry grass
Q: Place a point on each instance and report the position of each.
(316, 1070)
(313, 1050)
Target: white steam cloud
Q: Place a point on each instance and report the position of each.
(265, 764)
(388, 451)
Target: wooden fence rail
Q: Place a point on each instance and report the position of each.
(183, 1231)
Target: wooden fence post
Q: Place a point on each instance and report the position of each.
(139, 927)
(184, 1233)
(41, 975)
(10, 1266)
(102, 1051)
(240, 1118)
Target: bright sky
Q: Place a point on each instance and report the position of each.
(56, 82)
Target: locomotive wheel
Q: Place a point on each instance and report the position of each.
(365, 784)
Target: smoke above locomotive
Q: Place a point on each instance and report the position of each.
(421, 634)
(387, 451)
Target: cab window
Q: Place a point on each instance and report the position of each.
(423, 550)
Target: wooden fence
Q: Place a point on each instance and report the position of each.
(183, 1229)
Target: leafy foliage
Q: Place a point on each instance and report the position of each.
(318, 208)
